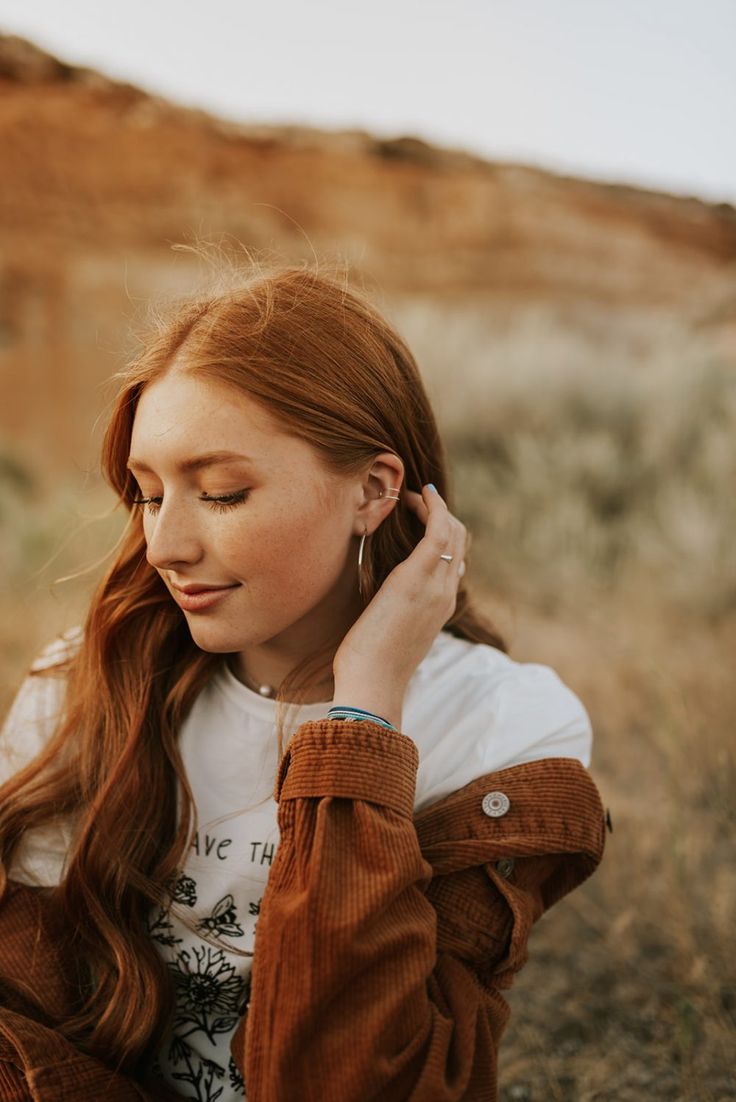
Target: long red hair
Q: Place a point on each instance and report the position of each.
(328, 366)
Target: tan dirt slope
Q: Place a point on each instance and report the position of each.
(100, 179)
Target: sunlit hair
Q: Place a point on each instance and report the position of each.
(324, 362)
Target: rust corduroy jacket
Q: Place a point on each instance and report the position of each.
(385, 938)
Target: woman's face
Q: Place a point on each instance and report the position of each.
(286, 552)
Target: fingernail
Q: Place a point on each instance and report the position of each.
(431, 486)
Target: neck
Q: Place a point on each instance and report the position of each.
(270, 662)
(319, 693)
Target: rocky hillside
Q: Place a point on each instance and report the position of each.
(100, 178)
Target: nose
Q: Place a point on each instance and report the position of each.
(172, 537)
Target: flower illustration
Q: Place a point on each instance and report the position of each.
(185, 891)
(208, 992)
(236, 1079)
(161, 929)
(198, 1071)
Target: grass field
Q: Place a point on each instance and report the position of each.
(596, 477)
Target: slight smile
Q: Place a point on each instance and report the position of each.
(197, 602)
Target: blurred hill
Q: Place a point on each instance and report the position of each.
(100, 178)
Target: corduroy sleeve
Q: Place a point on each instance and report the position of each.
(38, 1063)
(13, 1084)
(350, 999)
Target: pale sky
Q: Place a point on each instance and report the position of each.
(636, 91)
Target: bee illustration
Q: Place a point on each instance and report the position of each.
(223, 919)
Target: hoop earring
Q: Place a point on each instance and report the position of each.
(360, 562)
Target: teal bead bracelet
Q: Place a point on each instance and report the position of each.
(339, 712)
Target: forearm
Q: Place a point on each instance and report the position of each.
(349, 998)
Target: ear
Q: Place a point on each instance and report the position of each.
(381, 484)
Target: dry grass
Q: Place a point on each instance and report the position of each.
(596, 475)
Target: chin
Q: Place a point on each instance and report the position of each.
(222, 639)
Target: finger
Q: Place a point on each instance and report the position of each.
(426, 503)
(454, 570)
(416, 503)
(444, 535)
(439, 526)
(458, 541)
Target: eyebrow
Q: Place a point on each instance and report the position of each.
(208, 459)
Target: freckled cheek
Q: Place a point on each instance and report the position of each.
(295, 554)
(252, 549)
(244, 550)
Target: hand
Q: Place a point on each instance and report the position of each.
(395, 631)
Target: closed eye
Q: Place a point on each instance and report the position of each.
(220, 504)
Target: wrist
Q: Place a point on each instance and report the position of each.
(358, 715)
(388, 706)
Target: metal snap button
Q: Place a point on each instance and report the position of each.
(495, 804)
(505, 866)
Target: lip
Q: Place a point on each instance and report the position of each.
(197, 587)
(203, 598)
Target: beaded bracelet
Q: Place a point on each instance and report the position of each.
(349, 713)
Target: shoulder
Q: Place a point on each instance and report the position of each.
(36, 708)
(541, 715)
(59, 649)
(513, 711)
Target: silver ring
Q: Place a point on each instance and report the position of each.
(447, 558)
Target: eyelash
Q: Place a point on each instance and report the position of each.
(219, 504)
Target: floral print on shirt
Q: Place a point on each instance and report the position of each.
(210, 995)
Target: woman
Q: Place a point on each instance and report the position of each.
(288, 569)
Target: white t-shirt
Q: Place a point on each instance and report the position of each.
(470, 709)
